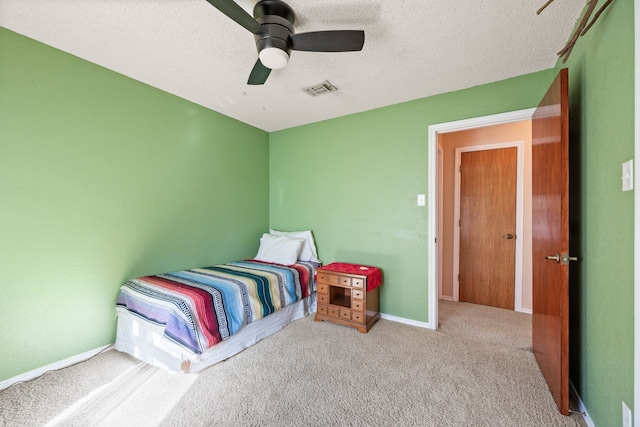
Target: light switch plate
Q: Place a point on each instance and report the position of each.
(627, 175)
(421, 199)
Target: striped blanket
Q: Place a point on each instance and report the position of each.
(199, 308)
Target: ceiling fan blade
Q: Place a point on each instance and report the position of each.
(259, 74)
(328, 41)
(238, 14)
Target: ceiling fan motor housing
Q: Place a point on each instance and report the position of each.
(277, 18)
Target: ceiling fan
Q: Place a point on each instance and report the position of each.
(272, 26)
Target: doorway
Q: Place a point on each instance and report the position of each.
(434, 260)
(491, 138)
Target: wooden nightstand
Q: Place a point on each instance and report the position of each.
(348, 295)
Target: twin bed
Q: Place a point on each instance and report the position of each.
(187, 320)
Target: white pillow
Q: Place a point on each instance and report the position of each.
(308, 252)
(279, 249)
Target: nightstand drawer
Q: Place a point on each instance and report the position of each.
(357, 317)
(333, 311)
(322, 309)
(357, 294)
(331, 279)
(357, 283)
(357, 305)
(323, 299)
(323, 288)
(345, 314)
(345, 281)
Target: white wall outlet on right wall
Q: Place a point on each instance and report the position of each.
(626, 416)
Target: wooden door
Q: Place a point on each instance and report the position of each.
(550, 217)
(487, 227)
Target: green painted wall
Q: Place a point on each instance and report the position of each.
(102, 179)
(354, 181)
(601, 74)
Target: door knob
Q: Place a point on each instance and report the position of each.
(564, 258)
(508, 236)
(555, 257)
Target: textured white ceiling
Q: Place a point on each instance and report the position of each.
(413, 49)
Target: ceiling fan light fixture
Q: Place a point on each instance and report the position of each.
(273, 58)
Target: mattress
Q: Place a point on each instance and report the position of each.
(187, 320)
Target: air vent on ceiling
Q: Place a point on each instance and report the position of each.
(321, 89)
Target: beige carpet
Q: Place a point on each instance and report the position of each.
(477, 370)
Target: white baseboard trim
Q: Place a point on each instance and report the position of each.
(446, 298)
(27, 376)
(405, 321)
(581, 408)
(525, 310)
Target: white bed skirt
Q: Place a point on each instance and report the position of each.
(145, 340)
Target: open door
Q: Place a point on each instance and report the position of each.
(550, 186)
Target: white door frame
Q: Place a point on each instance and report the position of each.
(439, 218)
(519, 231)
(432, 217)
(636, 221)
